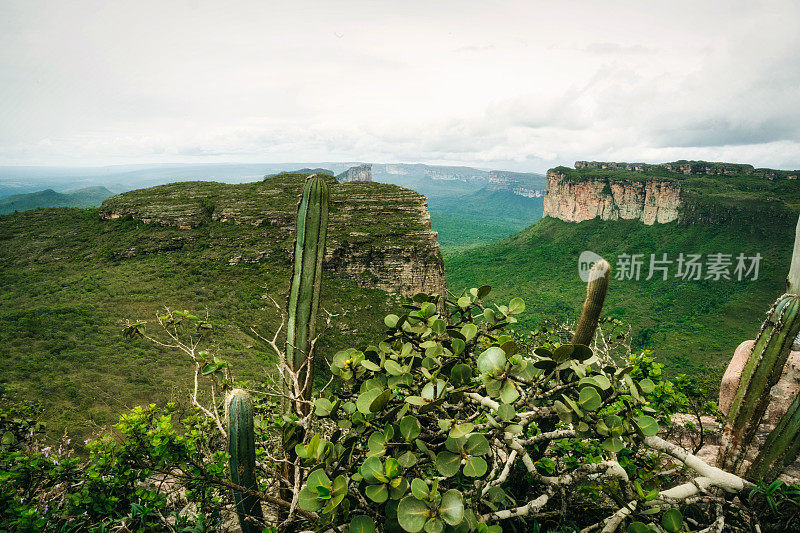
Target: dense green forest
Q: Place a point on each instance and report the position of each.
(691, 325)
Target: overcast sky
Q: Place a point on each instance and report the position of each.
(510, 85)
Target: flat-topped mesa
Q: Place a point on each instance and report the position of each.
(356, 173)
(685, 191)
(578, 200)
(378, 234)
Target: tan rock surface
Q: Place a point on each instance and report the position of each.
(575, 201)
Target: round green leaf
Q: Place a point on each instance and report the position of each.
(639, 527)
(419, 489)
(516, 306)
(646, 385)
(391, 321)
(434, 525)
(476, 444)
(391, 468)
(392, 367)
(475, 467)
(410, 428)
(372, 470)
(506, 412)
(461, 374)
(672, 521)
(412, 514)
(361, 524)
(381, 401)
(483, 290)
(458, 346)
(461, 430)
(369, 365)
(448, 463)
(365, 400)
(589, 399)
(317, 479)
(492, 361)
(408, 459)
(307, 500)
(647, 425)
(377, 493)
(613, 444)
(509, 392)
(469, 331)
(451, 509)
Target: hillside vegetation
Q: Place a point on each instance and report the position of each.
(483, 217)
(692, 326)
(70, 280)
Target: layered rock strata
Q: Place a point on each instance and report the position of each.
(650, 201)
(379, 235)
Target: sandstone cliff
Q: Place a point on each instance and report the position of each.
(379, 234)
(650, 201)
(357, 173)
(691, 192)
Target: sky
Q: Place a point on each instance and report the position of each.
(520, 85)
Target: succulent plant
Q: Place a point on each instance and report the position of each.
(309, 251)
(242, 451)
(596, 290)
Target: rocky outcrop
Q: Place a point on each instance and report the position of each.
(357, 173)
(781, 396)
(378, 235)
(651, 201)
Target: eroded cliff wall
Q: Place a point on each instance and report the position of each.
(379, 235)
(651, 201)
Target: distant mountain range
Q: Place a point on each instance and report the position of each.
(121, 178)
(87, 197)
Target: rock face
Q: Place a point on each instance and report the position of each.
(357, 173)
(378, 234)
(650, 201)
(781, 396)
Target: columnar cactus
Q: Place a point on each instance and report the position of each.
(780, 449)
(761, 372)
(309, 251)
(242, 449)
(595, 296)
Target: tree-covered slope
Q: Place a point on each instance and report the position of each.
(692, 325)
(483, 217)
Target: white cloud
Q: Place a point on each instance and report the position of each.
(522, 85)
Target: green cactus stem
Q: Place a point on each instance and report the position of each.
(760, 373)
(309, 251)
(596, 290)
(242, 449)
(780, 449)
